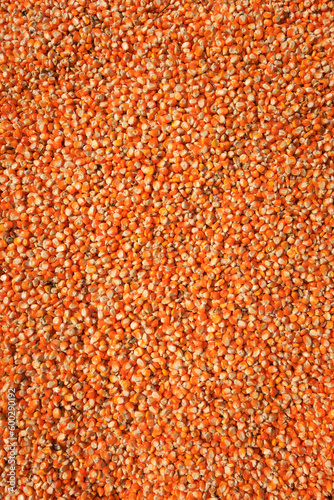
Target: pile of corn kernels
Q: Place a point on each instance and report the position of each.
(166, 249)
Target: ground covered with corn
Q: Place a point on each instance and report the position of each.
(166, 248)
